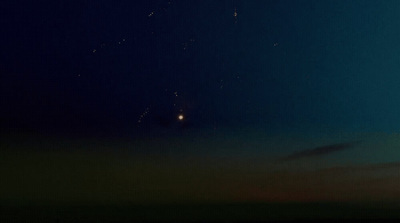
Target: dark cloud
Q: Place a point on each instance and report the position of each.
(320, 151)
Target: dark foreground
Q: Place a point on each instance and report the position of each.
(201, 213)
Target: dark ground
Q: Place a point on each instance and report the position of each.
(292, 212)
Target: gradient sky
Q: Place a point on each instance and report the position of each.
(282, 101)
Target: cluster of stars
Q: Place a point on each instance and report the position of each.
(152, 13)
(222, 83)
(146, 111)
(188, 43)
(103, 45)
(185, 46)
(180, 116)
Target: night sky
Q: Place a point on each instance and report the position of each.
(200, 102)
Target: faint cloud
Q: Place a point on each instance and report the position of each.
(320, 151)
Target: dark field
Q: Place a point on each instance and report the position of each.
(201, 213)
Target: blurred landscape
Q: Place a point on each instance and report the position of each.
(117, 179)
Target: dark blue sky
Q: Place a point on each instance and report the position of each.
(97, 66)
(282, 101)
